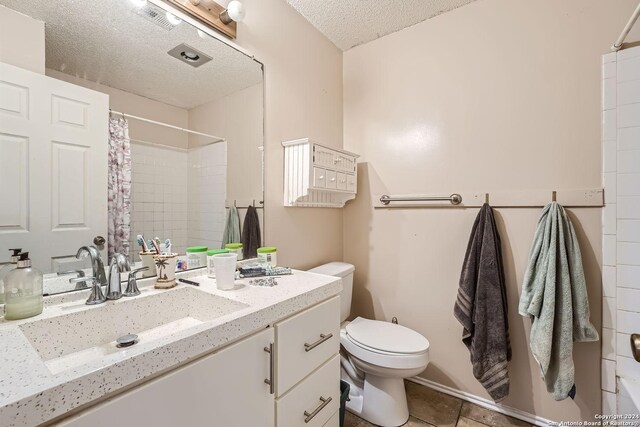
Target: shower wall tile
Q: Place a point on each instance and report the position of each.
(629, 138)
(207, 195)
(628, 92)
(158, 189)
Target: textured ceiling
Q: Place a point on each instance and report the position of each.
(105, 42)
(348, 23)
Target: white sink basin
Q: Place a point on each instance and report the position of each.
(72, 340)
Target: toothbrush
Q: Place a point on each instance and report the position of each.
(142, 243)
(152, 244)
(156, 243)
(167, 246)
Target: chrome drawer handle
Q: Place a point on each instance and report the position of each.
(272, 363)
(323, 338)
(309, 416)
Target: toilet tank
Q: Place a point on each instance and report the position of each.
(345, 272)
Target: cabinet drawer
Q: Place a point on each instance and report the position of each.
(332, 179)
(319, 177)
(305, 341)
(314, 401)
(352, 183)
(342, 181)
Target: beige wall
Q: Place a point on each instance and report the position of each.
(496, 95)
(130, 103)
(303, 98)
(21, 40)
(238, 118)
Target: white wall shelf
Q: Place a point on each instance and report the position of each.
(318, 176)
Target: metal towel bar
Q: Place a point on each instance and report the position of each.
(455, 199)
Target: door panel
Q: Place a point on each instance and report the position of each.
(53, 161)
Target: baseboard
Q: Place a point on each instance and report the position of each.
(485, 403)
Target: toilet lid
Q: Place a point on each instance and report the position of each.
(385, 336)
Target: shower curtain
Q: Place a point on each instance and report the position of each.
(119, 187)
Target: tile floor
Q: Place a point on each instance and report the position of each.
(428, 407)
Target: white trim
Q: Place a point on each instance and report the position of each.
(485, 403)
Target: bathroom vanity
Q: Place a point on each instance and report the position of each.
(253, 356)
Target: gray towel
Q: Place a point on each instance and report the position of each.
(481, 307)
(231, 227)
(251, 239)
(554, 294)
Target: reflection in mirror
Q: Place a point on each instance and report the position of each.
(143, 126)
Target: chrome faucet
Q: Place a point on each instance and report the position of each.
(96, 263)
(118, 264)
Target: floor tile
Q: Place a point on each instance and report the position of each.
(351, 420)
(489, 417)
(431, 406)
(468, 422)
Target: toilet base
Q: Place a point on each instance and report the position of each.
(381, 401)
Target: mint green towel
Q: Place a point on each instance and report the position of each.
(554, 295)
(231, 227)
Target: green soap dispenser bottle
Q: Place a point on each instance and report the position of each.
(13, 262)
(23, 290)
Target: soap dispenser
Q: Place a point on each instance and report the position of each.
(13, 261)
(23, 290)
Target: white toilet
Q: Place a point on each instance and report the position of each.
(376, 357)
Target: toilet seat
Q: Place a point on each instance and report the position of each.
(385, 337)
(378, 344)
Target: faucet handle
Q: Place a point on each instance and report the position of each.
(96, 296)
(132, 284)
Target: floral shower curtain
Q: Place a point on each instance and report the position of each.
(119, 187)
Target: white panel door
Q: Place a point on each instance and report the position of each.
(53, 167)
(225, 389)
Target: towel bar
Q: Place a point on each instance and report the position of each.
(455, 199)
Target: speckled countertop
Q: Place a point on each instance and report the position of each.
(31, 394)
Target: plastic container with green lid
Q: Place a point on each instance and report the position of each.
(268, 254)
(197, 256)
(211, 271)
(235, 247)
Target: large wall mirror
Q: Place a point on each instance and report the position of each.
(144, 125)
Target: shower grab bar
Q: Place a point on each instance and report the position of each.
(454, 199)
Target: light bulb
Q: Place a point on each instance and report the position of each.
(138, 3)
(174, 20)
(236, 11)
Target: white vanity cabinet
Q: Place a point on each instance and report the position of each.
(225, 389)
(318, 176)
(228, 388)
(308, 366)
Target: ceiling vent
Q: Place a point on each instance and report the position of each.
(154, 14)
(189, 55)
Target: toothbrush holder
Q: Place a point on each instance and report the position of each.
(147, 261)
(165, 270)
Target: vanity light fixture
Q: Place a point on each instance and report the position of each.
(213, 14)
(234, 12)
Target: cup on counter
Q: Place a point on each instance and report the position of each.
(225, 267)
(147, 261)
(165, 267)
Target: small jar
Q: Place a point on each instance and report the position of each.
(196, 257)
(267, 254)
(211, 271)
(235, 248)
